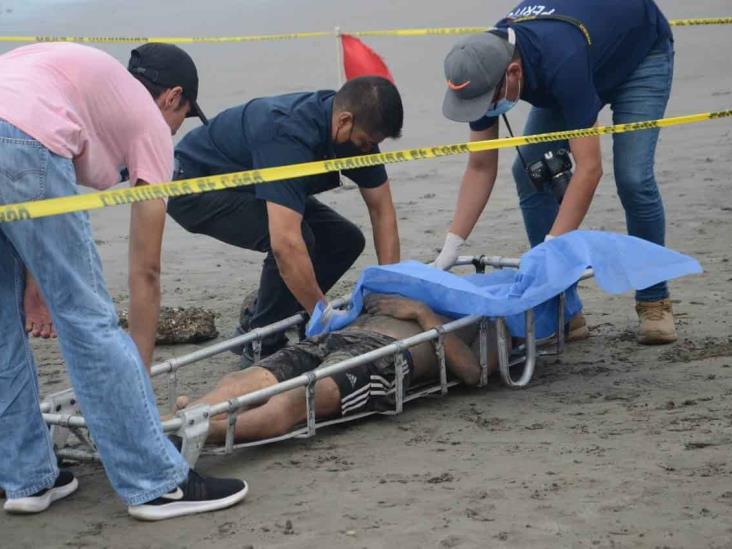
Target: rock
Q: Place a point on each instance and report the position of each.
(181, 325)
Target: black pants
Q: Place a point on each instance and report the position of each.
(238, 218)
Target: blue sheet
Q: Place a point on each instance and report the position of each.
(621, 263)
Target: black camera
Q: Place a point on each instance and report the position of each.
(553, 170)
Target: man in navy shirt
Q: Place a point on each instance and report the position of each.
(308, 245)
(568, 58)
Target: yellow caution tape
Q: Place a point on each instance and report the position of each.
(118, 197)
(421, 32)
(437, 31)
(167, 39)
(701, 21)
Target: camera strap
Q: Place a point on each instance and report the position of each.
(518, 150)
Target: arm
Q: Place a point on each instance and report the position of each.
(147, 221)
(476, 186)
(383, 222)
(574, 90)
(461, 362)
(581, 189)
(291, 254)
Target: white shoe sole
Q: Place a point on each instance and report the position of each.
(183, 508)
(37, 504)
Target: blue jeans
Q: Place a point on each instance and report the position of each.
(106, 371)
(642, 97)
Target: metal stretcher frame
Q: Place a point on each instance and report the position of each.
(60, 411)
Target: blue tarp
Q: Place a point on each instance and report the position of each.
(620, 263)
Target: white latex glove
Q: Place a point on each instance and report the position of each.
(549, 237)
(330, 312)
(449, 254)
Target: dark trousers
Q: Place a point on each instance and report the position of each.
(240, 219)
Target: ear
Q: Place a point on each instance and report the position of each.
(176, 98)
(345, 118)
(514, 68)
(171, 99)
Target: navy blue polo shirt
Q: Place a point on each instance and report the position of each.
(562, 71)
(275, 131)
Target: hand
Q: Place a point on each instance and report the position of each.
(449, 254)
(330, 313)
(394, 306)
(325, 318)
(38, 321)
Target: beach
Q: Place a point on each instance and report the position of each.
(612, 445)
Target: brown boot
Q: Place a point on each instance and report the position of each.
(656, 322)
(577, 329)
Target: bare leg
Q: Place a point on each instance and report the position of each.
(239, 383)
(280, 414)
(231, 386)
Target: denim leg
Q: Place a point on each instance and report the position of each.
(539, 208)
(28, 464)
(642, 97)
(109, 379)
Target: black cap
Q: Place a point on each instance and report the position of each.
(168, 65)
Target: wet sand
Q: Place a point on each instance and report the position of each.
(613, 444)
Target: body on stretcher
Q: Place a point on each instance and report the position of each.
(192, 424)
(546, 275)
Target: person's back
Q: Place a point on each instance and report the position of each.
(576, 53)
(82, 104)
(620, 32)
(232, 139)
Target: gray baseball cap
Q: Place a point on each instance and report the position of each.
(474, 68)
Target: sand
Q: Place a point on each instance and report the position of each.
(612, 445)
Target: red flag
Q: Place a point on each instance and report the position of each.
(360, 60)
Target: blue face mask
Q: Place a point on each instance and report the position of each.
(502, 106)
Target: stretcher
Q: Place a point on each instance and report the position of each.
(516, 365)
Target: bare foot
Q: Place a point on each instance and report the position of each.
(38, 321)
(182, 402)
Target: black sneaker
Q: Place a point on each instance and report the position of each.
(248, 308)
(177, 442)
(196, 494)
(246, 313)
(239, 349)
(65, 485)
(247, 357)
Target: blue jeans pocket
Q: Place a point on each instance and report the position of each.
(23, 169)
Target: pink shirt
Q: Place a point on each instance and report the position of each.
(82, 104)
